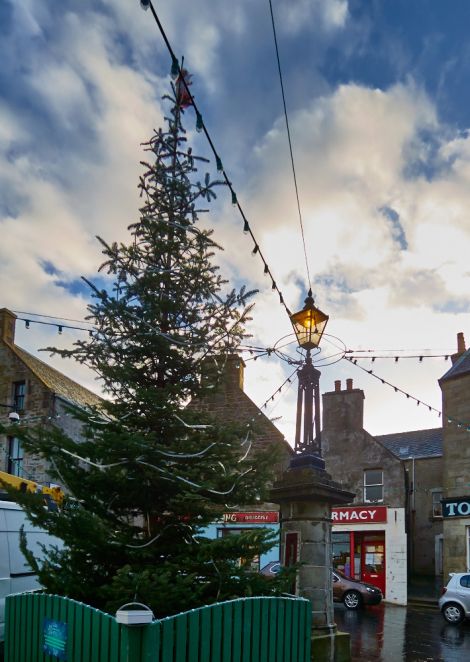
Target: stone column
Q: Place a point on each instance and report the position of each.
(306, 493)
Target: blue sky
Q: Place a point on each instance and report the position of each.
(378, 100)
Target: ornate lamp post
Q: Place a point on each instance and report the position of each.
(309, 325)
(306, 493)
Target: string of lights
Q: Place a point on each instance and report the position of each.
(177, 72)
(50, 317)
(395, 388)
(290, 143)
(449, 419)
(278, 390)
(396, 357)
(59, 327)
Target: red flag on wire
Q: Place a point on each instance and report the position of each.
(183, 96)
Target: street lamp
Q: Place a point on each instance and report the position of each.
(309, 325)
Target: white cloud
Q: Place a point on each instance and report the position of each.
(353, 150)
(332, 14)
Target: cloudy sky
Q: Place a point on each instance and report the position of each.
(378, 100)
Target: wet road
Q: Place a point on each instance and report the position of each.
(392, 634)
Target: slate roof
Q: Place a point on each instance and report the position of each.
(57, 382)
(460, 367)
(417, 443)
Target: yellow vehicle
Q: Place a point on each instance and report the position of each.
(53, 496)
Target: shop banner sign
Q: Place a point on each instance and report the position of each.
(459, 507)
(260, 517)
(362, 515)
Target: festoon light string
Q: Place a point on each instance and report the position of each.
(178, 72)
(449, 419)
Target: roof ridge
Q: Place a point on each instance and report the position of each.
(455, 367)
(31, 362)
(393, 434)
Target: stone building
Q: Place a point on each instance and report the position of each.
(372, 531)
(420, 452)
(36, 391)
(455, 386)
(229, 403)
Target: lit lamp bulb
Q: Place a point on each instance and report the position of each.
(309, 324)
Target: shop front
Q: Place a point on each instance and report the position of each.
(234, 523)
(369, 544)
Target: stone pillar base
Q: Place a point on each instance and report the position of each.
(333, 647)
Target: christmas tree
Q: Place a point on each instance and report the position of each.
(151, 473)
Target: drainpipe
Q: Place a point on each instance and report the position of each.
(413, 513)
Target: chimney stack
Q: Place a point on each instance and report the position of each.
(226, 369)
(460, 347)
(7, 326)
(343, 410)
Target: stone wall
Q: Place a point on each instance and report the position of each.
(226, 401)
(456, 481)
(423, 526)
(348, 449)
(38, 406)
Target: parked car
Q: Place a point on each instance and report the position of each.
(271, 569)
(454, 602)
(15, 574)
(352, 593)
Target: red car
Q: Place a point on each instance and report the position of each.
(352, 593)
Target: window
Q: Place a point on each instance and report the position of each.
(341, 551)
(467, 533)
(15, 457)
(19, 392)
(373, 485)
(436, 503)
(465, 581)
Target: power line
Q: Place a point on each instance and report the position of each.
(290, 143)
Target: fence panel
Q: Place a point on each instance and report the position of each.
(261, 629)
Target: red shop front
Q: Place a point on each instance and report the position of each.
(363, 544)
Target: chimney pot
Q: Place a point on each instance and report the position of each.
(338, 385)
(460, 343)
(349, 384)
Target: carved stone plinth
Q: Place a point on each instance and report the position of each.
(306, 493)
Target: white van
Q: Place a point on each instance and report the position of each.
(16, 575)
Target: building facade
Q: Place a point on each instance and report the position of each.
(369, 537)
(229, 403)
(37, 392)
(455, 387)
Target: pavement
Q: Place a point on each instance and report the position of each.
(390, 633)
(424, 590)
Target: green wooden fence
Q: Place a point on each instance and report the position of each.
(246, 630)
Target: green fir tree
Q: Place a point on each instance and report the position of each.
(151, 473)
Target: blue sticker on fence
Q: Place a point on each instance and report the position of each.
(55, 639)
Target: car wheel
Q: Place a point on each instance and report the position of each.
(453, 613)
(352, 600)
